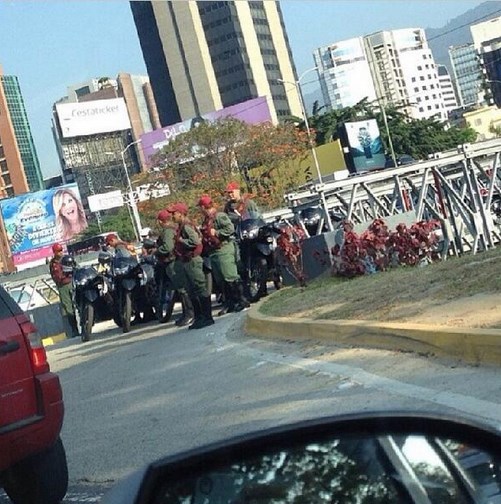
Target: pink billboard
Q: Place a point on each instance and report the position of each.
(253, 111)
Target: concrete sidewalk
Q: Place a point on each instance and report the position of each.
(474, 346)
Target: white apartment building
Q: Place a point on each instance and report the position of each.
(447, 88)
(394, 67)
(344, 73)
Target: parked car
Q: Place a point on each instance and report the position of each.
(33, 468)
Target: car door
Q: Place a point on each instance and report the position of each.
(18, 401)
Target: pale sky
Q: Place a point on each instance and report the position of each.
(51, 44)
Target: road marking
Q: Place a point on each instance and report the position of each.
(465, 404)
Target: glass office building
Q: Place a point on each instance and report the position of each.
(22, 131)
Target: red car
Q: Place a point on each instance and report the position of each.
(33, 467)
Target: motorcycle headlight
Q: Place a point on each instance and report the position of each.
(251, 234)
(122, 270)
(80, 282)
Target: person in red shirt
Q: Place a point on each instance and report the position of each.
(62, 279)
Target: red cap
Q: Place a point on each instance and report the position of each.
(232, 186)
(109, 238)
(205, 201)
(180, 207)
(57, 247)
(163, 215)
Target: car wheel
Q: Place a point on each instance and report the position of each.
(41, 479)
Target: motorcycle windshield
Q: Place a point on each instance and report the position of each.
(123, 264)
(85, 274)
(249, 228)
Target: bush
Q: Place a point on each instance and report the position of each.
(377, 248)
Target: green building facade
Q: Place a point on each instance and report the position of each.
(27, 150)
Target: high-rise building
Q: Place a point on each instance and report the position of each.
(394, 67)
(22, 131)
(487, 42)
(96, 128)
(203, 56)
(447, 88)
(467, 73)
(12, 177)
(344, 73)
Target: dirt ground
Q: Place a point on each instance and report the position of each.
(481, 310)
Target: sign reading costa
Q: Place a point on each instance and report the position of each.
(89, 118)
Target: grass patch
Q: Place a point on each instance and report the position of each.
(382, 296)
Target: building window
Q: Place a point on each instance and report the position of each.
(421, 109)
(413, 79)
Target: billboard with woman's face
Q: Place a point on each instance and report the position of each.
(35, 221)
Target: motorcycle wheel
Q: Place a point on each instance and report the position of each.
(87, 322)
(126, 311)
(258, 276)
(277, 281)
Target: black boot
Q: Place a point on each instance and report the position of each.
(188, 313)
(228, 301)
(197, 310)
(72, 320)
(240, 301)
(206, 314)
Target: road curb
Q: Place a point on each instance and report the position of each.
(52, 340)
(474, 346)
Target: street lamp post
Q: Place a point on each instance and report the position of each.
(132, 201)
(297, 85)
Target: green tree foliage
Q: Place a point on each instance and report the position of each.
(264, 158)
(416, 137)
(118, 222)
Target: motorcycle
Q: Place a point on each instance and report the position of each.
(130, 279)
(92, 298)
(164, 298)
(258, 256)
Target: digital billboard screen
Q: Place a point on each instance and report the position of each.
(35, 221)
(253, 111)
(363, 146)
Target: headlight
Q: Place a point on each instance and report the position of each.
(124, 270)
(250, 235)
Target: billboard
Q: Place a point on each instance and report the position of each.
(35, 221)
(89, 118)
(363, 146)
(253, 111)
(105, 201)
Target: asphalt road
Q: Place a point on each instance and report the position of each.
(133, 398)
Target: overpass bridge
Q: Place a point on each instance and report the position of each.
(461, 189)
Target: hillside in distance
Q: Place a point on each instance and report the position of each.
(457, 30)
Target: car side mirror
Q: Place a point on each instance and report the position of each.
(375, 458)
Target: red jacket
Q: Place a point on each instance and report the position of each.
(58, 275)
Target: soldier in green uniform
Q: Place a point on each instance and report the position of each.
(188, 248)
(238, 206)
(62, 279)
(174, 277)
(217, 232)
